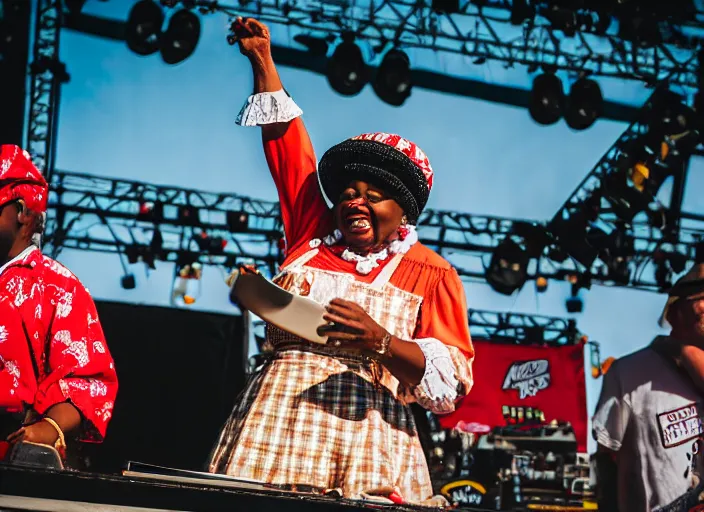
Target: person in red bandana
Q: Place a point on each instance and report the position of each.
(338, 416)
(57, 377)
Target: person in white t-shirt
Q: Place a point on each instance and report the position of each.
(648, 422)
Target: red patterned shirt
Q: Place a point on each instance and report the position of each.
(52, 347)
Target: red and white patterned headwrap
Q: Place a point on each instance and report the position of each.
(20, 179)
(405, 146)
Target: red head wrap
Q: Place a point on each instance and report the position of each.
(20, 179)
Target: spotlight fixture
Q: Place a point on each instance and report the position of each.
(150, 211)
(347, 72)
(210, 244)
(237, 222)
(576, 236)
(584, 104)
(392, 83)
(574, 303)
(633, 187)
(128, 282)
(541, 284)
(617, 250)
(187, 280)
(143, 27)
(508, 269)
(547, 99)
(188, 215)
(181, 37)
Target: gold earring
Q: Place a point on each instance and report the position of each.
(404, 220)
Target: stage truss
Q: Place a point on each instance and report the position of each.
(47, 73)
(660, 229)
(483, 31)
(93, 213)
(98, 214)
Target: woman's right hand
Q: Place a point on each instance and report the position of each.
(253, 38)
(255, 43)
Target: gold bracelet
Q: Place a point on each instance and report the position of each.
(60, 443)
(384, 345)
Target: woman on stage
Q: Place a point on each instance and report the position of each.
(336, 416)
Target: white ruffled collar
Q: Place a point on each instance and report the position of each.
(367, 263)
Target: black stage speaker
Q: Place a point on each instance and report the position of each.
(14, 51)
(179, 374)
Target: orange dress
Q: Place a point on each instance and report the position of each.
(316, 417)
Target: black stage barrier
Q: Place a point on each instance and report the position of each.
(179, 374)
(65, 491)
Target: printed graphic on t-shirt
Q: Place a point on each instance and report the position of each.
(528, 377)
(680, 425)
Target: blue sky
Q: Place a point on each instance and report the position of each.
(134, 117)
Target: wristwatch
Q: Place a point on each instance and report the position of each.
(384, 346)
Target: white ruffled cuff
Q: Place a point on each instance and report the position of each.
(438, 390)
(268, 108)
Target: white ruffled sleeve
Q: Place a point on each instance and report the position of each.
(268, 108)
(446, 374)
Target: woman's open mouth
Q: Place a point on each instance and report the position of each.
(358, 224)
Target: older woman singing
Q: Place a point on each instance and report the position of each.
(336, 416)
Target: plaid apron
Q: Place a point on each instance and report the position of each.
(313, 415)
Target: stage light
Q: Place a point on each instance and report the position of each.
(508, 269)
(574, 303)
(137, 252)
(547, 99)
(670, 115)
(150, 211)
(616, 250)
(188, 215)
(132, 252)
(211, 244)
(392, 83)
(625, 199)
(128, 282)
(186, 288)
(347, 72)
(143, 28)
(584, 104)
(576, 236)
(237, 222)
(180, 39)
(541, 284)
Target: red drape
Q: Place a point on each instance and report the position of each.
(550, 379)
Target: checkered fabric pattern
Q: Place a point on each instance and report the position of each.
(318, 420)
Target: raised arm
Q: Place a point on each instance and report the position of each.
(287, 146)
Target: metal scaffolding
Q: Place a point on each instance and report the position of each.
(609, 200)
(92, 213)
(484, 31)
(520, 328)
(102, 214)
(47, 73)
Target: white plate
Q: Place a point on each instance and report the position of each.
(287, 311)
